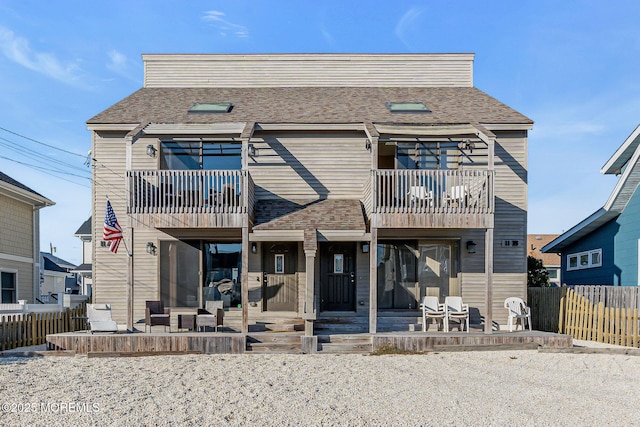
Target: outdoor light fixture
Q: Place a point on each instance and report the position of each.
(254, 248)
(151, 248)
(471, 247)
(367, 145)
(468, 145)
(151, 150)
(365, 247)
(253, 151)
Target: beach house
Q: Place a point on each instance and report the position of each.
(324, 188)
(604, 248)
(19, 241)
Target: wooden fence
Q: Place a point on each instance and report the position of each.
(23, 330)
(587, 320)
(545, 307)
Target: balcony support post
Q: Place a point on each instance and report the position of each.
(373, 281)
(488, 242)
(245, 279)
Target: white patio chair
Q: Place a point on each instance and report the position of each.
(518, 310)
(431, 309)
(455, 309)
(99, 318)
(419, 195)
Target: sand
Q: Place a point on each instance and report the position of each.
(469, 388)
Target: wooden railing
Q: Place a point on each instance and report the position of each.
(188, 191)
(433, 191)
(22, 330)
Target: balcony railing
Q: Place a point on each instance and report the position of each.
(189, 191)
(432, 191)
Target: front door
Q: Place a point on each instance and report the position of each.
(337, 276)
(280, 285)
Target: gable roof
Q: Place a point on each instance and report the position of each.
(17, 190)
(54, 263)
(448, 105)
(626, 160)
(85, 228)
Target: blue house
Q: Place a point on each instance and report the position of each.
(604, 249)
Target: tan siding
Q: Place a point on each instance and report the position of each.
(25, 277)
(308, 70)
(307, 166)
(362, 283)
(16, 227)
(511, 202)
(109, 269)
(504, 286)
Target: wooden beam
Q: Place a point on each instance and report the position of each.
(373, 282)
(488, 249)
(309, 302)
(245, 280)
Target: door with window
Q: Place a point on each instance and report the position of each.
(337, 276)
(280, 284)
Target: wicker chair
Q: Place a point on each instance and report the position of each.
(156, 315)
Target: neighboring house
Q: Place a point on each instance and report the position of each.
(84, 269)
(604, 249)
(19, 240)
(319, 186)
(57, 276)
(550, 261)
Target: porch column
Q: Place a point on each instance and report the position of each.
(309, 313)
(488, 260)
(310, 246)
(488, 241)
(245, 280)
(373, 281)
(130, 281)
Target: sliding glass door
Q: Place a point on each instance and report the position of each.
(183, 285)
(409, 270)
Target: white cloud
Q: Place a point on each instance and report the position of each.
(406, 25)
(225, 27)
(120, 64)
(17, 49)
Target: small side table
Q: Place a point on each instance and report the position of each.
(187, 321)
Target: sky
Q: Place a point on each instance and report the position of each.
(570, 66)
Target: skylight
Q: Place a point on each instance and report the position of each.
(211, 107)
(407, 107)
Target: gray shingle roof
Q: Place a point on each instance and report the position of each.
(331, 214)
(449, 105)
(85, 228)
(9, 180)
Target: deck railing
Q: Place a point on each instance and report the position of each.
(188, 191)
(433, 191)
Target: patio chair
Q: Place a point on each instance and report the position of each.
(156, 315)
(419, 196)
(212, 315)
(431, 309)
(455, 309)
(99, 318)
(518, 310)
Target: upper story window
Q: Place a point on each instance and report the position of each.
(195, 155)
(586, 259)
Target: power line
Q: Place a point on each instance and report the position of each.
(37, 156)
(42, 143)
(43, 169)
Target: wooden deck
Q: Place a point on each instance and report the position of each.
(165, 342)
(234, 343)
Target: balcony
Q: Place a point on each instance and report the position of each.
(430, 199)
(190, 198)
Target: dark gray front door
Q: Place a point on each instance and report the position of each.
(337, 276)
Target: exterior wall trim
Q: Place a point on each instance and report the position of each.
(16, 258)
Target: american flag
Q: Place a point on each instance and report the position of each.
(112, 231)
